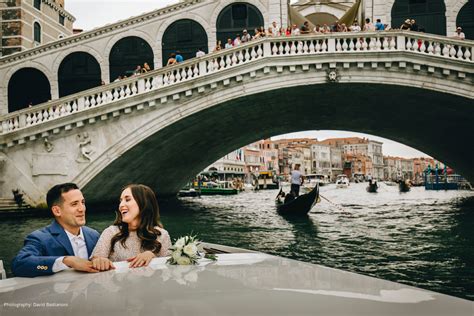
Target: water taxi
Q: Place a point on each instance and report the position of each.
(240, 282)
(342, 181)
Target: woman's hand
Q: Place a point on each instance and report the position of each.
(142, 259)
(102, 264)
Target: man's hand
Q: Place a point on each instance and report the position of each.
(79, 264)
(142, 259)
(102, 264)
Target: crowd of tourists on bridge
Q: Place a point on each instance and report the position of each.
(294, 30)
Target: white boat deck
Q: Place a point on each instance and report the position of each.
(236, 284)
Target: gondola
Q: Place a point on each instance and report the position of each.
(403, 186)
(299, 206)
(372, 187)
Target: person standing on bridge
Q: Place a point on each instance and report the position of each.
(137, 234)
(296, 181)
(65, 243)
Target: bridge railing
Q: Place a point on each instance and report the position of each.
(336, 43)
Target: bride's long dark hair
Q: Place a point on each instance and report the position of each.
(149, 219)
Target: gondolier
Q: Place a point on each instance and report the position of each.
(296, 180)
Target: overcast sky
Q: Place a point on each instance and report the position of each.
(92, 13)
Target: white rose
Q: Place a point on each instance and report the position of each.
(176, 255)
(183, 261)
(190, 250)
(180, 243)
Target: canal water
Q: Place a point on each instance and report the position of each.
(421, 238)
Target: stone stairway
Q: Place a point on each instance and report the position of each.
(10, 205)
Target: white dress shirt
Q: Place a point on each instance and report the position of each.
(79, 247)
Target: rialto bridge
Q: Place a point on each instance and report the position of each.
(163, 127)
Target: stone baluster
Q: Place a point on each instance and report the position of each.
(467, 53)
(423, 47)
(241, 57)
(178, 76)
(184, 74)
(338, 44)
(68, 107)
(172, 78)
(430, 49)
(222, 63)
(234, 59)
(210, 66)
(311, 47)
(345, 46)
(247, 54)
(371, 44)
(93, 101)
(87, 103)
(287, 48)
(274, 49)
(217, 64)
(460, 53)
(452, 51)
(317, 48)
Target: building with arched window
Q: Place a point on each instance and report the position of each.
(440, 17)
(28, 23)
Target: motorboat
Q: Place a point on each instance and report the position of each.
(300, 205)
(240, 282)
(316, 178)
(342, 181)
(267, 180)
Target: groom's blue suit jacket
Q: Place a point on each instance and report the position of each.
(42, 247)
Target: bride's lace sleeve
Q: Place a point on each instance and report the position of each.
(165, 243)
(102, 248)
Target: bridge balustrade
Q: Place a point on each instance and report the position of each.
(337, 43)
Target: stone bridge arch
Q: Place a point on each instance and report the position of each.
(164, 152)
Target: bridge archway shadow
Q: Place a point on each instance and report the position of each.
(28, 86)
(433, 122)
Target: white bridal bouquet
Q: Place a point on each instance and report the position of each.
(185, 252)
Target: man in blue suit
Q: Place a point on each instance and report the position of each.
(66, 243)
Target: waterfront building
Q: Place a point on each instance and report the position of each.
(322, 12)
(27, 24)
(390, 168)
(355, 148)
(336, 162)
(269, 155)
(230, 166)
(321, 159)
(252, 158)
(434, 16)
(419, 167)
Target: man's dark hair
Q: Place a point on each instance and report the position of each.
(54, 195)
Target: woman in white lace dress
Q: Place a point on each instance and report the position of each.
(137, 234)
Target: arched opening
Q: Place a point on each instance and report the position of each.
(465, 19)
(185, 36)
(236, 17)
(27, 86)
(79, 71)
(127, 54)
(322, 18)
(429, 15)
(37, 32)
